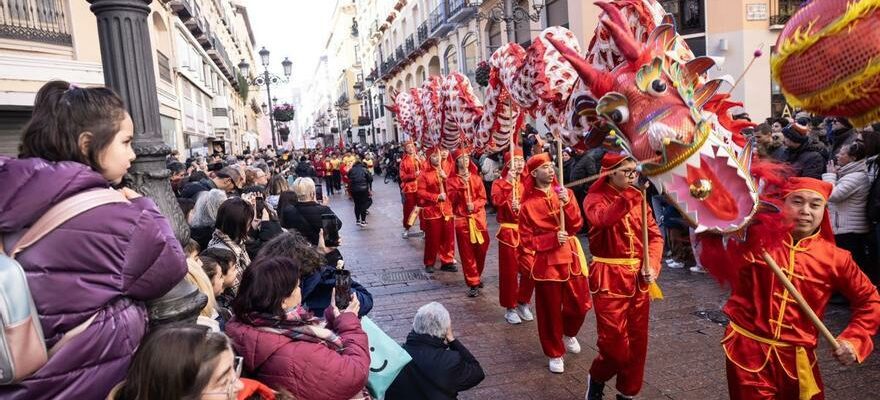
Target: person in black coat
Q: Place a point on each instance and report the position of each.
(441, 366)
(804, 154)
(359, 182)
(304, 214)
(304, 168)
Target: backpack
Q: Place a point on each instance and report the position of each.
(22, 345)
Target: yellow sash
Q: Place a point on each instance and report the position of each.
(585, 269)
(510, 225)
(653, 288)
(806, 381)
(476, 235)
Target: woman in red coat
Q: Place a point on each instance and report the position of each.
(285, 346)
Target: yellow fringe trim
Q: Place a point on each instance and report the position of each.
(851, 88)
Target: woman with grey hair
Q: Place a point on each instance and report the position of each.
(205, 215)
(441, 366)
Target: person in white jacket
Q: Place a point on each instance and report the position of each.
(847, 202)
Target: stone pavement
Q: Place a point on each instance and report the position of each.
(685, 360)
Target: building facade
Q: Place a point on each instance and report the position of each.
(204, 103)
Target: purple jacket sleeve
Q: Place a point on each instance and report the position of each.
(153, 261)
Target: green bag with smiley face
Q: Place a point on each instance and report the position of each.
(387, 358)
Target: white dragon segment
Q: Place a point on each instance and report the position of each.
(405, 110)
(432, 107)
(463, 110)
(419, 121)
(501, 116)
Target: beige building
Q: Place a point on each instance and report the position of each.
(197, 45)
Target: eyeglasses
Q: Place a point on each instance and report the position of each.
(630, 173)
(230, 387)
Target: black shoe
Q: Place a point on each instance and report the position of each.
(448, 267)
(473, 292)
(595, 390)
(429, 269)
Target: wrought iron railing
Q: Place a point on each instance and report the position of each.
(410, 44)
(438, 16)
(42, 21)
(782, 10)
(399, 53)
(422, 34)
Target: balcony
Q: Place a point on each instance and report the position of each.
(198, 26)
(185, 9)
(218, 54)
(399, 53)
(410, 45)
(42, 21)
(460, 10)
(422, 33)
(439, 20)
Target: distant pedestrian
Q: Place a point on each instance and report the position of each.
(359, 181)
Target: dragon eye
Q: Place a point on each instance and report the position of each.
(658, 87)
(619, 114)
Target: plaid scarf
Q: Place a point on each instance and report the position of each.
(297, 324)
(220, 239)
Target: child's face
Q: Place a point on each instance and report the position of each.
(229, 278)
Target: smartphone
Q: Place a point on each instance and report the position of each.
(331, 231)
(343, 288)
(319, 192)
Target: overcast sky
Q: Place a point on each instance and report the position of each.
(296, 29)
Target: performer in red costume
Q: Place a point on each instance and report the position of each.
(613, 207)
(410, 167)
(513, 263)
(468, 197)
(559, 269)
(436, 214)
(770, 343)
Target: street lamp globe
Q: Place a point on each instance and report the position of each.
(264, 56)
(244, 67)
(288, 67)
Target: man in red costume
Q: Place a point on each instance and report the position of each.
(559, 268)
(770, 343)
(436, 214)
(410, 167)
(468, 197)
(513, 262)
(613, 207)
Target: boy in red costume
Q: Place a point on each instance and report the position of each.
(559, 270)
(513, 262)
(436, 214)
(468, 197)
(613, 207)
(770, 343)
(410, 167)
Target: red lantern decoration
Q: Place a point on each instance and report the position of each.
(827, 59)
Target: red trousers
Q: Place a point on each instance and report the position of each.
(771, 382)
(473, 255)
(622, 327)
(409, 203)
(561, 308)
(439, 241)
(511, 292)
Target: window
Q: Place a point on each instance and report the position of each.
(522, 30)
(557, 13)
(164, 67)
(469, 47)
(494, 29)
(689, 15)
(169, 131)
(451, 57)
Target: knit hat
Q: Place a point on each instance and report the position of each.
(796, 133)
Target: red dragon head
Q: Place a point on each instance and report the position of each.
(655, 106)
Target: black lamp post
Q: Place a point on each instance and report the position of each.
(268, 80)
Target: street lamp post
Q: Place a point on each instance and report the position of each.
(504, 11)
(268, 80)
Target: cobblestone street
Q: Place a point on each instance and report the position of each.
(685, 360)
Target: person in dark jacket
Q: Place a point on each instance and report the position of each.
(98, 269)
(441, 366)
(804, 155)
(359, 182)
(842, 133)
(318, 279)
(304, 215)
(205, 216)
(304, 168)
(226, 179)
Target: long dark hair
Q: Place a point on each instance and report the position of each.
(292, 245)
(174, 362)
(62, 112)
(234, 218)
(264, 286)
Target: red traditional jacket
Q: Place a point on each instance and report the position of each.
(429, 187)
(410, 166)
(502, 198)
(539, 225)
(760, 306)
(461, 190)
(616, 243)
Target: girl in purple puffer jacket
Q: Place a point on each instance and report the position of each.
(102, 264)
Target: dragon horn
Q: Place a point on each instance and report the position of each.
(619, 30)
(587, 72)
